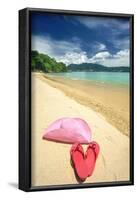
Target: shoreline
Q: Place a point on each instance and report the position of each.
(53, 76)
(111, 102)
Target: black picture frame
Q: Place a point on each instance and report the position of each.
(25, 101)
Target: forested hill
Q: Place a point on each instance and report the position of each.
(43, 62)
(96, 68)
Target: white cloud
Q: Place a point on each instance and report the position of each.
(76, 58)
(93, 22)
(98, 46)
(52, 47)
(121, 58)
(71, 52)
(122, 53)
(101, 55)
(101, 46)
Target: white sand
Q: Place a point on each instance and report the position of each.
(51, 161)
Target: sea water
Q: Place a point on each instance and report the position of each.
(112, 78)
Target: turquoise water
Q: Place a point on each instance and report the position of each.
(112, 78)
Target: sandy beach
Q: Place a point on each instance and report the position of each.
(50, 160)
(111, 101)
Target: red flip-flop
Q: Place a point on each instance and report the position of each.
(77, 157)
(91, 157)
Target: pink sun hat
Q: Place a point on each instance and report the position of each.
(68, 130)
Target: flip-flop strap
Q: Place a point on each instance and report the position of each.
(93, 146)
(78, 148)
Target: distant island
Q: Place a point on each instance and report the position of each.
(92, 67)
(43, 62)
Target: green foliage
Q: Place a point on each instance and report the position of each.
(44, 63)
(96, 68)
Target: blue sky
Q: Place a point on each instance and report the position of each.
(79, 39)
